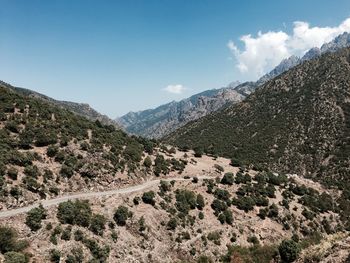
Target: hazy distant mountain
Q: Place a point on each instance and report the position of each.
(81, 109)
(155, 123)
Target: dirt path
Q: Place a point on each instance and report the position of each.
(58, 200)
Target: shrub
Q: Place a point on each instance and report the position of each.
(288, 250)
(172, 224)
(8, 240)
(242, 178)
(74, 213)
(228, 179)
(121, 215)
(12, 173)
(34, 218)
(253, 239)
(219, 168)
(245, 203)
(97, 224)
(200, 202)
(201, 215)
(273, 211)
(218, 206)
(55, 255)
(76, 256)
(228, 217)
(185, 200)
(148, 198)
(66, 234)
(15, 257)
(52, 150)
(147, 162)
(235, 162)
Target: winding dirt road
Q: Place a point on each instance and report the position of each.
(58, 200)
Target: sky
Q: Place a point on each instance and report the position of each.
(130, 55)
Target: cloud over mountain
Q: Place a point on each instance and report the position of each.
(175, 89)
(263, 52)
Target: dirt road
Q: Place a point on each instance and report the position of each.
(58, 200)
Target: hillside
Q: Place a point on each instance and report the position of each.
(160, 199)
(298, 123)
(223, 214)
(81, 109)
(155, 123)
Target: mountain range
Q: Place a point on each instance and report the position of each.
(161, 121)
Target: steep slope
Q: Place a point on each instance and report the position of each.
(155, 123)
(298, 122)
(81, 109)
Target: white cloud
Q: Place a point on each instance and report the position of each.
(175, 89)
(262, 53)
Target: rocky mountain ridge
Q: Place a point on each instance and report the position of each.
(155, 123)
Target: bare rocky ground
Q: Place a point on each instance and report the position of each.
(191, 238)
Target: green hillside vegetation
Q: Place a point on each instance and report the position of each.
(42, 146)
(298, 123)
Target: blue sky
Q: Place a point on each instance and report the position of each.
(132, 55)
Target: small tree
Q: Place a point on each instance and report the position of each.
(14, 257)
(34, 218)
(228, 179)
(148, 198)
(172, 223)
(121, 215)
(200, 202)
(147, 162)
(288, 250)
(97, 224)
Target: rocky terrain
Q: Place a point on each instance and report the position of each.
(82, 109)
(235, 215)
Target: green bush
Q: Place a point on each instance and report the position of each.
(148, 198)
(147, 162)
(97, 224)
(75, 213)
(228, 179)
(200, 202)
(52, 150)
(55, 255)
(288, 250)
(185, 200)
(245, 203)
(8, 240)
(75, 256)
(34, 218)
(12, 173)
(121, 215)
(15, 257)
(172, 224)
